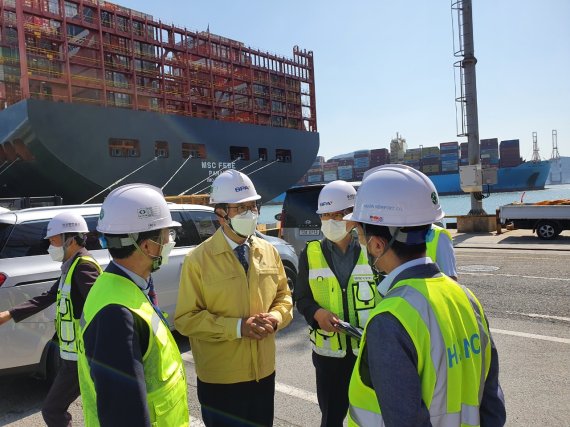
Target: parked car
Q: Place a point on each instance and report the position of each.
(300, 222)
(26, 270)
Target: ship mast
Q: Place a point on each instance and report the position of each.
(535, 151)
(555, 162)
(467, 99)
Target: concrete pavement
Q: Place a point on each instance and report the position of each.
(510, 239)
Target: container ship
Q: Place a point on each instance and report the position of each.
(441, 163)
(92, 93)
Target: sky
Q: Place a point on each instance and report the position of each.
(386, 66)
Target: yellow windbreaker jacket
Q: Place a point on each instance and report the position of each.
(215, 293)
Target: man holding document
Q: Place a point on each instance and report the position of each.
(335, 292)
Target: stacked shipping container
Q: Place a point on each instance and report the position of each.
(345, 169)
(510, 153)
(379, 157)
(444, 159)
(489, 151)
(464, 160)
(449, 155)
(330, 171)
(430, 160)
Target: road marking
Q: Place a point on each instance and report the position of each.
(516, 275)
(540, 316)
(297, 392)
(280, 387)
(493, 255)
(527, 335)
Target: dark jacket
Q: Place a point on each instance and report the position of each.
(84, 276)
(115, 343)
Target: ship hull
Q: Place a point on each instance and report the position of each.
(63, 149)
(526, 176)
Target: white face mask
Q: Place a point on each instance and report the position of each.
(56, 252)
(244, 224)
(334, 230)
(165, 251)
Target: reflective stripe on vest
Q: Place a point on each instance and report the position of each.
(67, 326)
(454, 370)
(361, 293)
(165, 378)
(433, 239)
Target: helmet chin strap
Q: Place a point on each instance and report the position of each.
(156, 259)
(387, 247)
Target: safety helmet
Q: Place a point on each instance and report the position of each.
(134, 208)
(336, 196)
(396, 196)
(233, 186)
(66, 222)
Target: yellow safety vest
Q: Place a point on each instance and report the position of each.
(165, 379)
(361, 293)
(432, 239)
(66, 326)
(447, 325)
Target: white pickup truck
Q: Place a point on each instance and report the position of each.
(548, 220)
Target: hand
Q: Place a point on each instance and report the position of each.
(4, 317)
(327, 320)
(253, 327)
(268, 319)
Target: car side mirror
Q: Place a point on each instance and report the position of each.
(278, 216)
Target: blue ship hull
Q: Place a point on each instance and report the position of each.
(49, 148)
(526, 176)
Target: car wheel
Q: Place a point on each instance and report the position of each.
(291, 277)
(547, 230)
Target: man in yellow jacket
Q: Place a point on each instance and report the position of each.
(233, 297)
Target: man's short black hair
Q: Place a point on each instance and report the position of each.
(402, 250)
(127, 251)
(80, 238)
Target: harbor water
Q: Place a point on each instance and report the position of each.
(460, 204)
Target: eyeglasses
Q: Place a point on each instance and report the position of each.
(243, 208)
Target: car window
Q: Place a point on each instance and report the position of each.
(26, 239)
(206, 223)
(187, 235)
(5, 230)
(300, 208)
(92, 242)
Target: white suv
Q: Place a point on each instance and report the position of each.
(26, 270)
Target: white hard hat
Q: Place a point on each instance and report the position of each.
(396, 196)
(233, 186)
(66, 222)
(336, 196)
(134, 208)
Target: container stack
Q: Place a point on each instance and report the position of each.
(361, 163)
(510, 153)
(430, 160)
(489, 150)
(449, 154)
(345, 169)
(330, 171)
(314, 175)
(379, 157)
(464, 160)
(413, 157)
